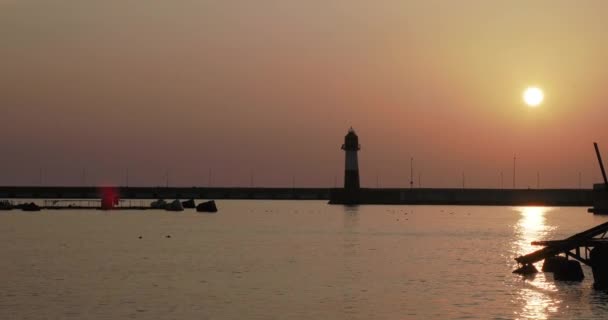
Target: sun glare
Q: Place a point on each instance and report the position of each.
(533, 96)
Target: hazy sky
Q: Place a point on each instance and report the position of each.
(271, 87)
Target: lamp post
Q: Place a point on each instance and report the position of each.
(514, 163)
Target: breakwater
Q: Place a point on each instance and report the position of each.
(489, 197)
(421, 196)
(165, 193)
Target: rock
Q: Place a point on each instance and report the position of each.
(176, 205)
(208, 206)
(526, 270)
(30, 207)
(599, 266)
(568, 270)
(189, 204)
(552, 263)
(158, 204)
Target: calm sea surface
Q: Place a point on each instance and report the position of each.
(289, 260)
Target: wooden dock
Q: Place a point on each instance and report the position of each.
(577, 246)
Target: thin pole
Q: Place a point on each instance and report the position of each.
(167, 179)
(514, 162)
(599, 159)
(502, 180)
(463, 179)
(377, 183)
(580, 181)
(127, 177)
(251, 178)
(419, 180)
(209, 178)
(411, 173)
(537, 180)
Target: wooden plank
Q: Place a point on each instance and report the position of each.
(563, 245)
(582, 243)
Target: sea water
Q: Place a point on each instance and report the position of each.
(289, 260)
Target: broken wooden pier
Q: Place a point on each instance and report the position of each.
(589, 247)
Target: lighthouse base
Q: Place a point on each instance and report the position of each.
(363, 196)
(345, 196)
(351, 180)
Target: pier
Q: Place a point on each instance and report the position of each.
(589, 247)
(35, 192)
(576, 246)
(416, 196)
(353, 194)
(350, 194)
(482, 197)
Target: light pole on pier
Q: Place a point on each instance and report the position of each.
(412, 173)
(463, 179)
(167, 178)
(514, 162)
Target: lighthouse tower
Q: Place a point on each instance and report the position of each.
(351, 170)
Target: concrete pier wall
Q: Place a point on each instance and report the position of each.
(165, 193)
(547, 197)
(430, 196)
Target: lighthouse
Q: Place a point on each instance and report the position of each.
(351, 169)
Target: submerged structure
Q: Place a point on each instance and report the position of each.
(564, 257)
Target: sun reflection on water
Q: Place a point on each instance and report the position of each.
(530, 227)
(535, 295)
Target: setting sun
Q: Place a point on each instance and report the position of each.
(533, 96)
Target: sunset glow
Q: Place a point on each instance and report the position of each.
(419, 159)
(533, 96)
(269, 87)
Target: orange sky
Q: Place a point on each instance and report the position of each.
(271, 87)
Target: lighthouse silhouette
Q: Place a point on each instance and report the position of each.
(351, 169)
